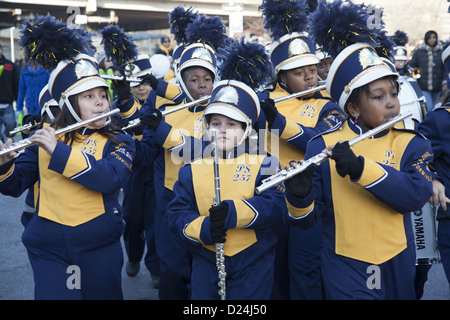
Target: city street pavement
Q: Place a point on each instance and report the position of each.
(16, 278)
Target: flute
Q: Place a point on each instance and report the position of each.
(136, 122)
(27, 126)
(220, 257)
(284, 174)
(111, 77)
(300, 93)
(24, 143)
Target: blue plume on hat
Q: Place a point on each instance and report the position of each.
(246, 62)
(89, 46)
(49, 41)
(207, 30)
(284, 16)
(179, 19)
(386, 44)
(400, 38)
(118, 45)
(338, 24)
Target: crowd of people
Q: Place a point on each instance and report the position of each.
(188, 147)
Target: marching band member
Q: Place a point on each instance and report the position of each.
(364, 195)
(434, 128)
(400, 52)
(296, 121)
(164, 136)
(139, 200)
(242, 220)
(78, 224)
(49, 110)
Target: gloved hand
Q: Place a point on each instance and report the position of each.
(346, 161)
(217, 216)
(149, 79)
(270, 111)
(301, 184)
(122, 88)
(152, 120)
(31, 119)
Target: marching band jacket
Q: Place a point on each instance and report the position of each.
(434, 127)
(173, 134)
(250, 216)
(367, 218)
(297, 122)
(77, 183)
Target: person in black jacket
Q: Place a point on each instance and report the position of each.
(9, 88)
(433, 77)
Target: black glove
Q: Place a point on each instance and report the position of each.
(301, 184)
(346, 161)
(149, 79)
(31, 119)
(217, 216)
(122, 88)
(152, 120)
(270, 111)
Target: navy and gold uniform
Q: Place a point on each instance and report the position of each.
(139, 202)
(298, 121)
(250, 243)
(434, 128)
(164, 145)
(366, 221)
(78, 219)
(158, 145)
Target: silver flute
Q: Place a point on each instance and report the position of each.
(24, 143)
(220, 255)
(300, 93)
(112, 77)
(136, 122)
(284, 174)
(25, 127)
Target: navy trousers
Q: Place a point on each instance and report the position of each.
(74, 263)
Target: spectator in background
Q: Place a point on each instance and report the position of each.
(433, 79)
(33, 78)
(9, 87)
(165, 48)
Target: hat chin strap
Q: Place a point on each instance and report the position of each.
(183, 86)
(78, 119)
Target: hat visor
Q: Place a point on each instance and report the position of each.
(298, 61)
(85, 84)
(227, 110)
(197, 63)
(379, 72)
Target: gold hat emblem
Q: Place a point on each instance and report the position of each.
(298, 46)
(202, 53)
(84, 68)
(131, 69)
(400, 52)
(369, 58)
(227, 95)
